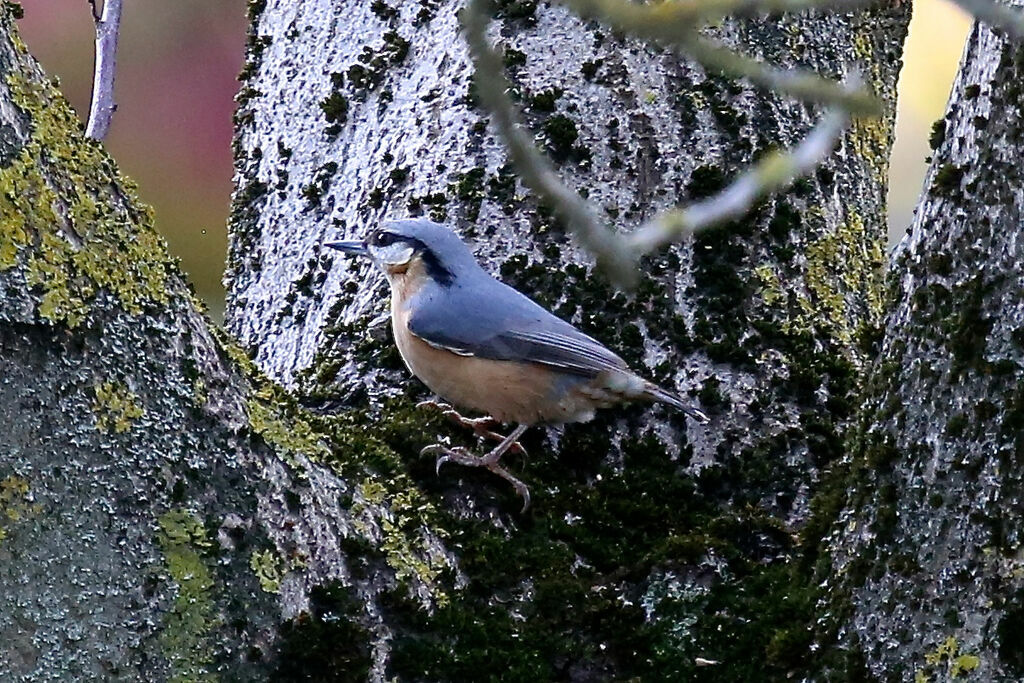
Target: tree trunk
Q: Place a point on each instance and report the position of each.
(168, 513)
(651, 545)
(161, 516)
(926, 561)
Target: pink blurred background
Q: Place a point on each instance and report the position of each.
(176, 80)
(178, 61)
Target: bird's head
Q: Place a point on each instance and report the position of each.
(417, 248)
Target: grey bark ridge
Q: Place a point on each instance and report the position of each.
(162, 505)
(350, 116)
(929, 543)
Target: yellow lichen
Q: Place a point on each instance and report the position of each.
(399, 516)
(947, 656)
(285, 430)
(116, 407)
(183, 539)
(268, 568)
(15, 503)
(71, 220)
(771, 291)
(844, 267)
(963, 664)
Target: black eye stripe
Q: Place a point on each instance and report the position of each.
(382, 238)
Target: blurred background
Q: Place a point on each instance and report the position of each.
(176, 82)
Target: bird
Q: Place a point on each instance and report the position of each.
(484, 346)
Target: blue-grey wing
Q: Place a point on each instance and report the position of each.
(501, 324)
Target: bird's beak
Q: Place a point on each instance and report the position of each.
(355, 247)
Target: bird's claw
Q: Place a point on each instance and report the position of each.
(462, 457)
(481, 426)
(445, 454)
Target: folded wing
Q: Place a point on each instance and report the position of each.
(507, 327)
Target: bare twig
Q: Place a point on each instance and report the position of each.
(803, 85)
(103, 106)
(773, 173)
(668, 17)
(491, 85)
(676, 24)
(1010, 19)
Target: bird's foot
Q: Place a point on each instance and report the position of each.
(490, 461)
(481, 426)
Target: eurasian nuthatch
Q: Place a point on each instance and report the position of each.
(482, 345)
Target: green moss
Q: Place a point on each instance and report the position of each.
(947, 180)
(314, 191)
(516, 9)
(185, 636)
(589, 68)
(399, 174)
(373, 65)
(545, 101)
(955, 426)
(502, 188)
(102, 239)
(1010, 634)
(560, 135)
(335, 109)
(254, 9)
(881, 453)
(938, 134)
(116, 407)
(383, 10)
(469, 188)
(513, 58)
(436, 204)
(968, 326)
(327, 643)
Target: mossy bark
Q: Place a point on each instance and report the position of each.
(166, 513)
(925, 566)
(650, 546)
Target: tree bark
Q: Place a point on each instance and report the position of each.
(161, 513)
(926, 558)
(166, 512)
(647, 539)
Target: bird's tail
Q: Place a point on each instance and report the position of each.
(665, 396)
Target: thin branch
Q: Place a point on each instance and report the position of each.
(1010, 19)
(676, 24)
(773, 173)
(803, 85)
(491, 86)
(103, 105)
(670, 16)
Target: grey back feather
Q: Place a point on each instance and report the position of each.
(479, 316)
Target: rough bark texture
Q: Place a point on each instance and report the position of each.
(649, 545)
(927, 559)
(161, 513)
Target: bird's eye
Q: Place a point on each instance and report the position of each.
(382, 238)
